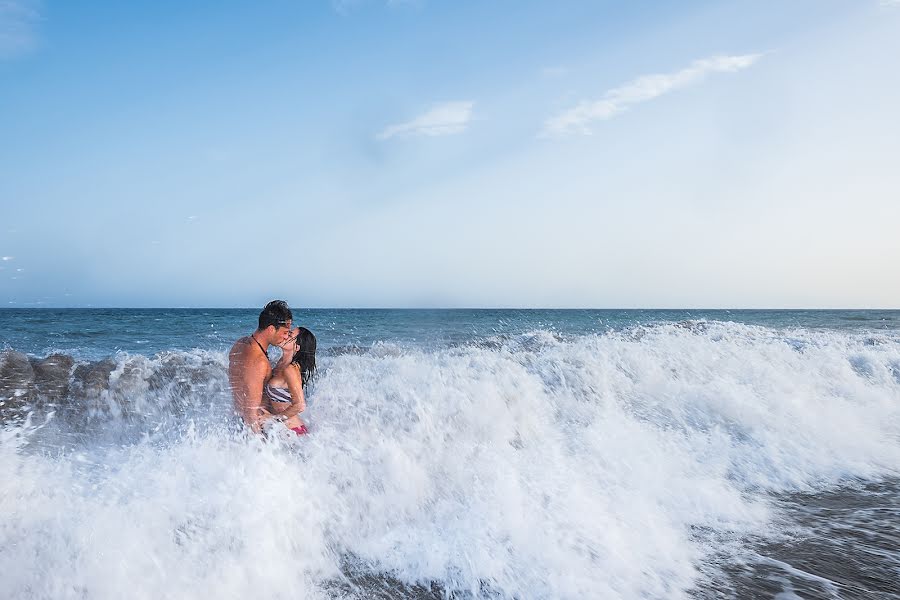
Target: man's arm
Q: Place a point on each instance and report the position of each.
(252, 409)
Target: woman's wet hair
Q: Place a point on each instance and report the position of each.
(305, 357)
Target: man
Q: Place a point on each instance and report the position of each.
(248, 362)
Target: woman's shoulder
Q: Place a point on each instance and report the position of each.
(283, 371)
(283, 368)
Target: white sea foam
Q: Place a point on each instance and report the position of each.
(536, 468)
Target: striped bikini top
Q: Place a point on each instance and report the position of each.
(277, 394)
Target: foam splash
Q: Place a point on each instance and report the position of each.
(537, 467)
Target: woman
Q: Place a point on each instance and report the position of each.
(284, 390)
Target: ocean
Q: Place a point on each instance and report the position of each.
(528, 454)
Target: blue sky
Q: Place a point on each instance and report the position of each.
(424, 153)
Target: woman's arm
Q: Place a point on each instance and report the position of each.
(295, 385)
(286, 357)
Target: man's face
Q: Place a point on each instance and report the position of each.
(282, 332)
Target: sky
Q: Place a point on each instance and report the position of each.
(425, 153)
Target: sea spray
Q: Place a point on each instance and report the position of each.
(537, 465)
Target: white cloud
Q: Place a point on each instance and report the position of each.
(6, 258)
(646, 87)
(442, 119)
(17, 27)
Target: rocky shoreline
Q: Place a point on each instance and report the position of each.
(124, 387)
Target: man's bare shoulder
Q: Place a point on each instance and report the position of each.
(246, 357)
(240, 346)
(242, 354)
(238, 354)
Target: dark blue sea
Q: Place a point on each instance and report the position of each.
(456, 454)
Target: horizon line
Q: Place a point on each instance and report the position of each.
(686, 308)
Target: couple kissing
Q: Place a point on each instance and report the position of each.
(263, 395)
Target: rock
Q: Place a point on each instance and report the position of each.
(16, 383)
(15, 370)
(51, 376)
(92, 379)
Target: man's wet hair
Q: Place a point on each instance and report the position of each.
(275, 313)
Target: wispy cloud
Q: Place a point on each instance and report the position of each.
(18, 19)
(646, 87)
(441, 119)
(345, 6)
(555, 71)
(6, 258)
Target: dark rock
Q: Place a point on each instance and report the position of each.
(16, 383)
(164, 373)
(694, 326)
(51, 376)
(176, 379)
(15, 370)
(92, 379)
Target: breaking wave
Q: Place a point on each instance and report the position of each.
(530, 466)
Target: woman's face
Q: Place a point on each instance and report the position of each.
(290, 345)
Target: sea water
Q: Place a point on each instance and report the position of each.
(462, 454)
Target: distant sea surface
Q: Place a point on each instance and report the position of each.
(456, 453)
(97, 333)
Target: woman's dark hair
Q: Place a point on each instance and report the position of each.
(305, 357)
(275, 313)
